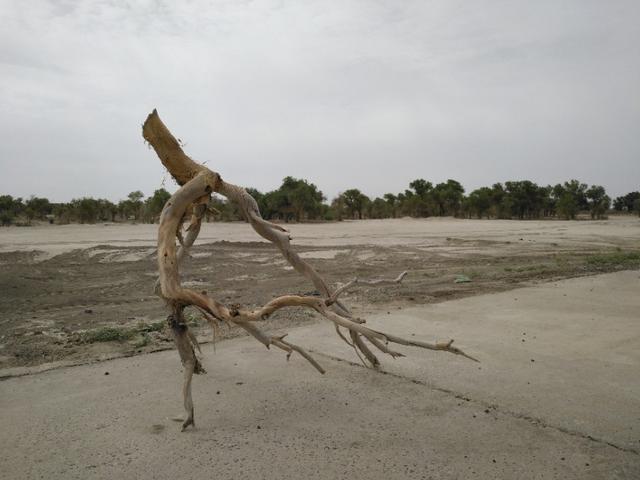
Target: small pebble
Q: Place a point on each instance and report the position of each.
(106, 373)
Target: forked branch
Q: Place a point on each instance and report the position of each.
(197, 184)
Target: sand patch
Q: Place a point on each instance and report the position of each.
(365, 255)
(241, 254)
(109, 255)
(322, 254)
(201, 254)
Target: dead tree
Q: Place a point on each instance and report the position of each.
(197, 183)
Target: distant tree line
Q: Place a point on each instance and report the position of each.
(82, 210)
(299, 200)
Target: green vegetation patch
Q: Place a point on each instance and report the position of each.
(151, 327)
(107, 334)
(528, 268)
(616, 258)
(121, 334)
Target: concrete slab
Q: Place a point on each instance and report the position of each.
(565, 354)
(435, 416)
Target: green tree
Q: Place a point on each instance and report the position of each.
(598, 200)
(422, 203)
(107, 210)
(627, 202)
(85, 210)
(379, 209)
(132, 208)
(296, 199)
(136, 196)
(408, 203)
(548, 202)
(479, 202)
(570, 198)
(392, 203)
(64, 213)
(37, 208)
(567, 206)
(277, 205)
(448, 197)
(355, 202)
(10, 209)
(338, 208)
(154, 204)
(421, 187)
(304, 197)
(526, 199)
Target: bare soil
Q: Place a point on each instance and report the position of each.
(81, 293)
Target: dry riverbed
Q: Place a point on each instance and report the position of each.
(80, 293)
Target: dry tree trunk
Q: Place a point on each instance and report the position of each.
(197, 183)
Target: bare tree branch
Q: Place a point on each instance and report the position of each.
(197, 184)
(356, 281)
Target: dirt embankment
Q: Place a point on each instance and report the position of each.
(64, 300)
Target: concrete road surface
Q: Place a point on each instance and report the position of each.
(557, 395)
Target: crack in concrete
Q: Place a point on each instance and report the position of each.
(521, 416)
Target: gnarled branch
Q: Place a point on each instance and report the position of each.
(197, 184)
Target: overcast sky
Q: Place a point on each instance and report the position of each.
(365, 94)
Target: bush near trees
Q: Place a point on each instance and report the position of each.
(628, 203)
(299, 200)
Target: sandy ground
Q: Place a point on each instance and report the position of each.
(65, 291)
(53, 240)
(556, 397)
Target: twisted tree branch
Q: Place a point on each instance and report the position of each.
(197, 184)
